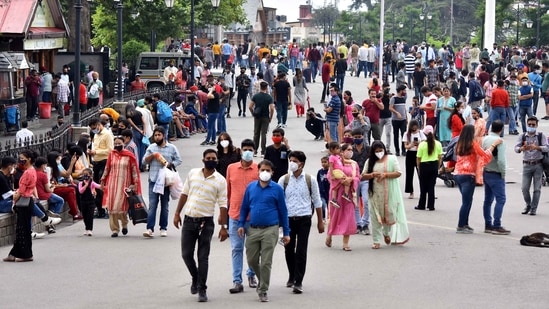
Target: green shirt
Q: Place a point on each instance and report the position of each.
(423, 153)
(498, 163)
(545, 83)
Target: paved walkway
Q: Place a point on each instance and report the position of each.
(436, 269)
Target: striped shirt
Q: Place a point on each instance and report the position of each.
(410, 61)
(203, 193)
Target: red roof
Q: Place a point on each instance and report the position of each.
(16, 17)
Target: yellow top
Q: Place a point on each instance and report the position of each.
(422, 152)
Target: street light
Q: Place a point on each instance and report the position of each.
(422, 17)
(76, 101)
(120, 93)
(350, 30)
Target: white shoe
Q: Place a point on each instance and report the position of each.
(37, 235)
(148, 234)
(163, 233)
(52, 221)
(90, 233)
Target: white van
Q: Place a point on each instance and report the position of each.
(151, 65)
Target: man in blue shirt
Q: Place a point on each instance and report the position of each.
(332, 112)
(535, 80)
(226, 50)
(265, 204)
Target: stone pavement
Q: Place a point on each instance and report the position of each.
(436, 269)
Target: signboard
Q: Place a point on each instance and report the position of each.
(38, 44)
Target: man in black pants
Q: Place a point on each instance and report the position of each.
(397, 106)
(242, 86)
(315, 124)
(300, 191)
(102, 145)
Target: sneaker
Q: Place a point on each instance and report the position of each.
(37, 235)
(252, 283)
(51, 229)
(90, 233)
(204, 143)
(148, 234)
(500, 231)
(489, 229)
(202, 296)
(114, 235)
(237, 288)
(358, 229)
(464, 230)
(298, 289)
(163, 233)
(52, 221)
(365, 230)
(211, 143)
(290, 283)
(263, 298)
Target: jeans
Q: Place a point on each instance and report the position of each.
(221, 122)
(5, 206)
(371, 67)
(363, 193)
(296, 250)
(315, 126)
(497, 113)
(535, 98)
(386, 125)
(399, 125)
(409, 75)
(56, 203)
(237, 245)
(410, 165)
(261, 125)
(324, 92)
(293, 63)
(332, 126)
(494, 186)
(512, 117)
(427, 180)
(417, 90)
(212, 118)
(260, 246)
(362, 67)
(523, 112)
(340, 78)
(241, 97)
(314, 69)
(466, 185)
(153, 204)
(375, 132)
(281, 111)
(194, 232)
(531, 173)
(141, 148)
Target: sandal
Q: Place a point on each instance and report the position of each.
(376, 246)
(328, 242)
(387, 239)
(347, 249)
(9, 258)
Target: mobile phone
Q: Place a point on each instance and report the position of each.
(415, 139)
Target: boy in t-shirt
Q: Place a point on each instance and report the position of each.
(323, 183)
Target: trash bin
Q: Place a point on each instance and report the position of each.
(307, 75)
(44, 110)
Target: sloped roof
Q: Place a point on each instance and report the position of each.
(16, 15)
(251, 8)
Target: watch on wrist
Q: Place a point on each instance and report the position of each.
(225, 226)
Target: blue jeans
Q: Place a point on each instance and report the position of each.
(494, 186)
(363, 193)
(221, 122)
(531, 173)
(496, 113)
(281, 111)
(237, 245)
(314, 68)
(523, 112)
(362, 68)
(340, 78)
(293, 63)
(5, 206)
(153, 204)
(141, 148)
(511, 115)
(417, 90)
(56, 203)
(212, 118)
(332, 126)
(166, 129)
(371, 66)
(466, 184)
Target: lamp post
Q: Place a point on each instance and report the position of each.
(529, 24)
(120, 92)
(76, 101)
(423, 16)
(350, 30)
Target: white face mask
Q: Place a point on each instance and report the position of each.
(525, 83)
(293, 166)
(265, 176)
(348, 154)
(380, 154)
(224, 143)
(538, 71)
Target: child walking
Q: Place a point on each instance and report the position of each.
(324, 184)
(87, 188)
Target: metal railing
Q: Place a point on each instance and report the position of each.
(61, 137)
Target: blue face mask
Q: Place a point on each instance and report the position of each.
(358, 141)
(247, 155)
(531, 130)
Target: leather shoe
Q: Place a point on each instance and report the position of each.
(526, 210)
(202, 296)
(252, 283)
(194, 289)
(237, 288)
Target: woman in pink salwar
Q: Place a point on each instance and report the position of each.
(342, 219)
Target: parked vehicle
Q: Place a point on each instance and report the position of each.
(151, 65)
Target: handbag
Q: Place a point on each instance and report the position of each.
(137, 210)
(23, 202)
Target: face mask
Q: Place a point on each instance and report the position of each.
(58, 161)
(12, 170)
(210, 164)
(347, 140)
(95, 131)
(60, 123)
(531, 130)
(224, 143)
(355, 115)
(525, 83)
(277, 139)
(380, 154)
(348, 154)
(248, 155)
(538, 71)
(22, 162)
(358, 141)
(293, 166)
(118, 148)
(108, 125)
(265, 176)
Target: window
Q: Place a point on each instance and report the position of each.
(149, 63)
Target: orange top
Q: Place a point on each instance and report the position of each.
(500, 98)
(27, 183)
(457, 125)
(83, 97)
(216, 48)
(467, 165)
(238, 178)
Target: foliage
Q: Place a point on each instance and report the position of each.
(131, 50)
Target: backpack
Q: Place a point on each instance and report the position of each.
(164, 113)
(478, 91)
(307, 180)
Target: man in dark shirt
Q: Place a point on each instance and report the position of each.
(282, 95)
(212, 109)
(372, 108)
(6, 187)
(361, 151)
(277, 153)
(420, 78)
(262, 108)
(242, 85)
(385, 115)
(340, 68)
(314, 60)
(315, 124)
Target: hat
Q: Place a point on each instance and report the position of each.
(520, 66)
(428, 129)
(43, 69)
(137, 74)
(140, 102)
(194, 88)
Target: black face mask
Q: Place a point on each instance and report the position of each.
(355, 115)
(22, 162)
(118, 148)
(60, 123)
(210, 165)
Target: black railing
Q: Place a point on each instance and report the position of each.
(59, 138)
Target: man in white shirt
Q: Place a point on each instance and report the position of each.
(362, 60)
(371, 59)
(24, 135)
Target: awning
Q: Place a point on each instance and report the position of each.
(45, 33)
